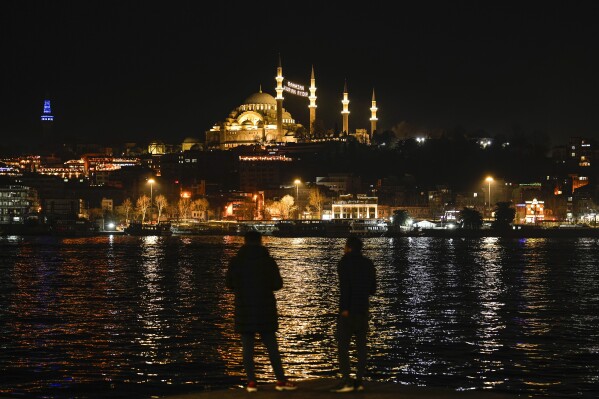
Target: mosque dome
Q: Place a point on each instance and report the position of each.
(191, 140)
(260, 98)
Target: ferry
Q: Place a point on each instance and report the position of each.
(266, 228)
(331, 228)
(74, 228)
(143, 229)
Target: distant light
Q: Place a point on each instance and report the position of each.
(420, 139)
(111, 225)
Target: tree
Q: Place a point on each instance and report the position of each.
(287, 206)
(400, 218)
(161, 203)
(184, 208)
(272, 209)
(301, 134)
(469, 218)
(504, 215)
(316, 201)
(127, 208)
(200, 205)
(142, 205)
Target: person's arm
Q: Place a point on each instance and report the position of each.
(344, 289)
(277, 281)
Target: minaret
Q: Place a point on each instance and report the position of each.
(345, 111)
(312, 105)
(47, 119)
(373, 117)
(279, 98)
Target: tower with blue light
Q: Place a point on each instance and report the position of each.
(47, 115)
(47, 120)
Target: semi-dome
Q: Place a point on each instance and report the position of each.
(260, 98)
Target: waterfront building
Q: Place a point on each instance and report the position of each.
(534, 212)
(63, 208)
(17, 202)
(358, 207)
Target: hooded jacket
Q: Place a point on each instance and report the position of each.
(253, 275)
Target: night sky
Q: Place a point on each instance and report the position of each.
(136, 70)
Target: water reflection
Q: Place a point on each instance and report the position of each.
(151, 315)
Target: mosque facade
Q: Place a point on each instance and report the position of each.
(253, 122)
(261, 118)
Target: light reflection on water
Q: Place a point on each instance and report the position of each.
(95, 316)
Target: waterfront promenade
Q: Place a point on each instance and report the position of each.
(318, 388)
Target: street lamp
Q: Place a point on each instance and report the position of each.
(151, 182)
(297, 182)
(489, 180)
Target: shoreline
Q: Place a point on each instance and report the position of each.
(514, 233)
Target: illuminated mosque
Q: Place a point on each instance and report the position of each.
(261, 119)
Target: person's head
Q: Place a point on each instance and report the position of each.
(253, 237)
(353, 244)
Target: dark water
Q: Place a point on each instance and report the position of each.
(141, 316)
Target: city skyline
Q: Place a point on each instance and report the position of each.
(139, 72)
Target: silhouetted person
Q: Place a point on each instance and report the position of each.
(357, 281)
(253, 275)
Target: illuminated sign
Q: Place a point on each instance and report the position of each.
(295, 89)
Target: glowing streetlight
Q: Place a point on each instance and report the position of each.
(297, 182)
(489, 180)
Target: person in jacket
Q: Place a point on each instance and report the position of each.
(357, 282)
(253, 275)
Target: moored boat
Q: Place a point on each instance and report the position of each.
(143, 229)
